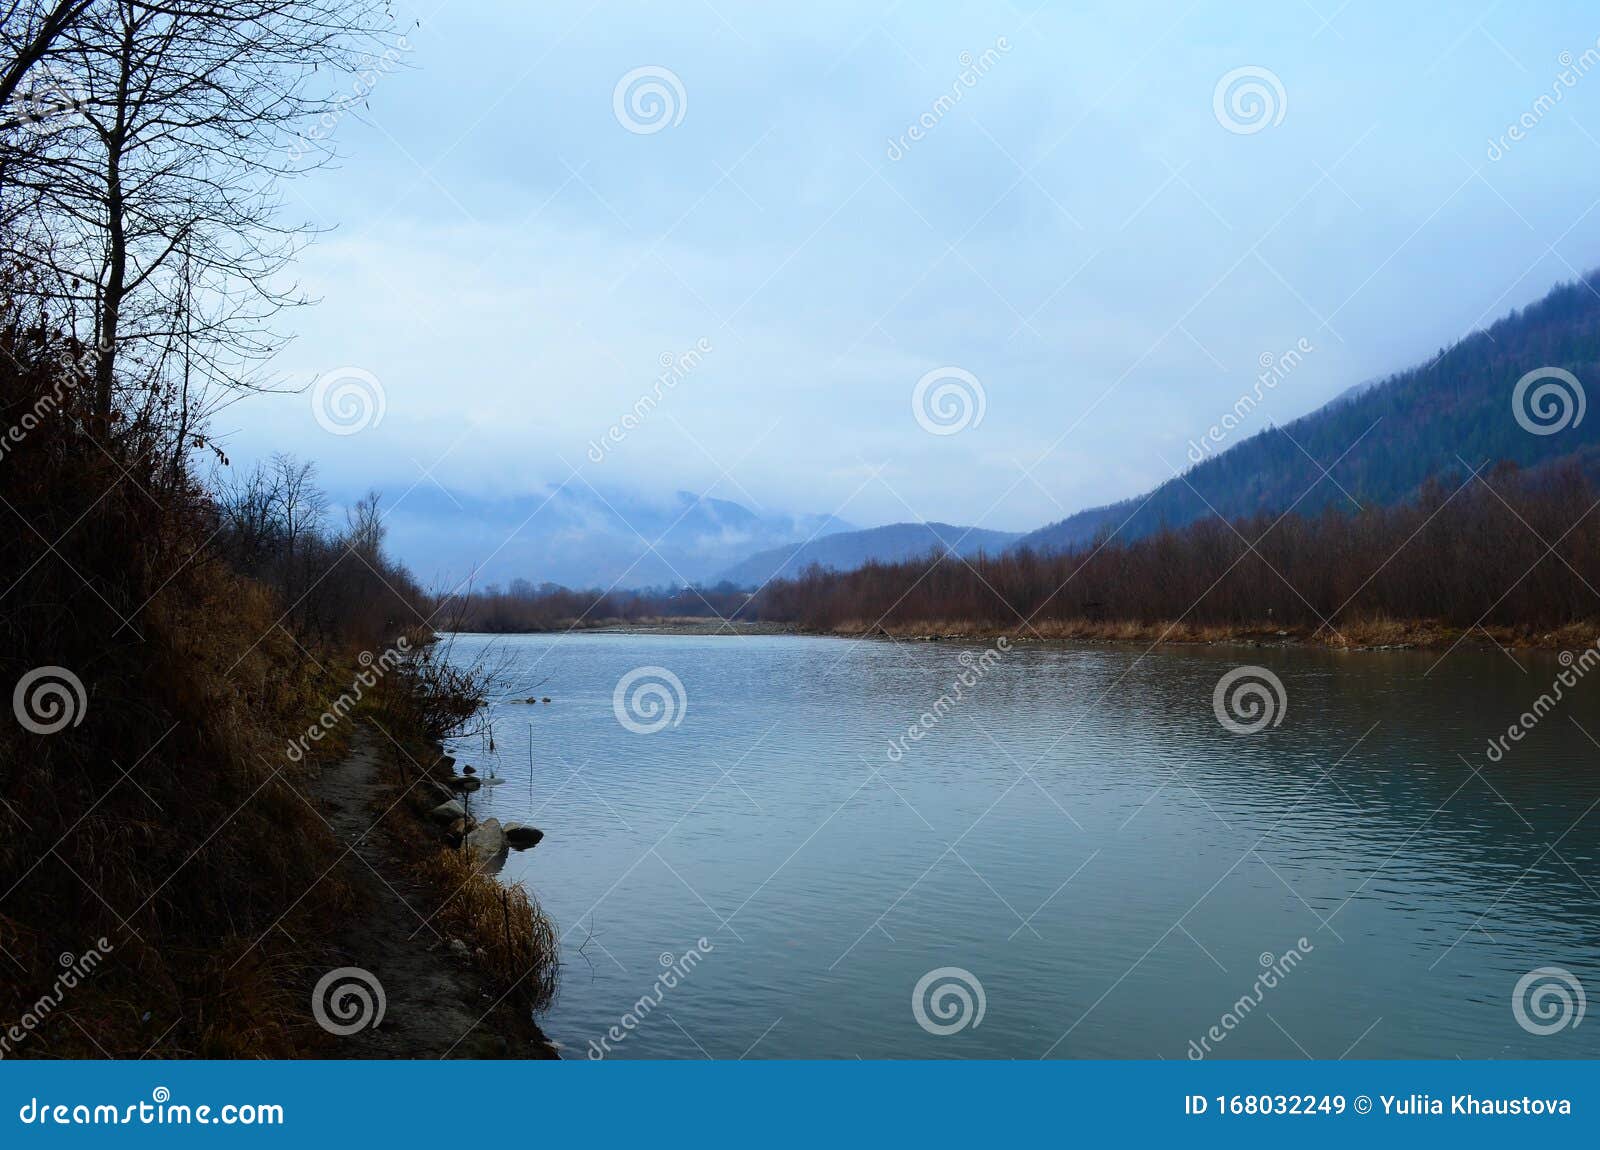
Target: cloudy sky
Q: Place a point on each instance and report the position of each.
(1106, 217)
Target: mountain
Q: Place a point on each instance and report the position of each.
(848, 550)
(581, 537)
(1382, 441)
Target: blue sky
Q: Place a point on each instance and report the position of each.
(1081, 234)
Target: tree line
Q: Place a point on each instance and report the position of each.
(1502, 547)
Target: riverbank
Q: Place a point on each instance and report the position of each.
(413, 928)
(1354, 635)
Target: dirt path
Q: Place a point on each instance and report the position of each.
(437, 1005)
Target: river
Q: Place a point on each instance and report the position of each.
(948, 850)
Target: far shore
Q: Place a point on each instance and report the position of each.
(1354, 635)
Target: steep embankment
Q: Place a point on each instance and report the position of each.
(437, 1003)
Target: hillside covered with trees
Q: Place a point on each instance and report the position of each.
(1383, 442)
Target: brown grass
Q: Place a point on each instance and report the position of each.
(1351, 634)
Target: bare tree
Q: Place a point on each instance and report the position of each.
(299, 504)
(156, 203)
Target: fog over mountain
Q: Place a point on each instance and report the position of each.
(584, 537)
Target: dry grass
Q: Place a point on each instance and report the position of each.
(511, 938)
(1350, 634)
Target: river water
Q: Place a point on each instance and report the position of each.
(1079, 853)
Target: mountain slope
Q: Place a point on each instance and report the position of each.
(1382, 442)
(581, 537)
(848, 550)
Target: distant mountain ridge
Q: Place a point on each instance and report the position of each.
(1381, 441)
(848, 550)
(578, 536)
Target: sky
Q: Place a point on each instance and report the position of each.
(1083, 260)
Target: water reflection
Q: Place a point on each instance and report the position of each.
(1074, 828)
